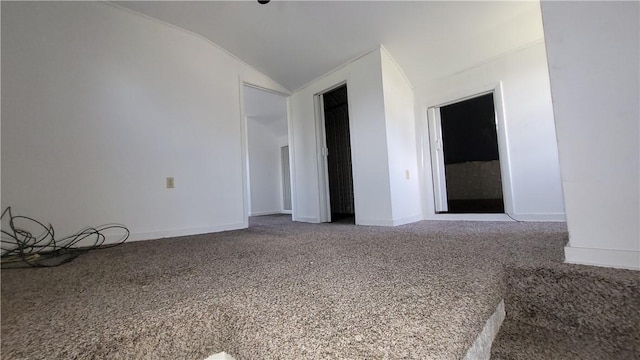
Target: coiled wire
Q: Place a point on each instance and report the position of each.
(22, 248)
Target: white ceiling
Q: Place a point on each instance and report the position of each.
(294, 42)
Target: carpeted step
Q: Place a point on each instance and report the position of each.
(522, 341)
(563, 311)
(576, 300)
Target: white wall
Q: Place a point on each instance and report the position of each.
(401, 142)
(368, 143)
(382, 125)
(535, 171)
(593, 52)
(100, 105)
(264, 169)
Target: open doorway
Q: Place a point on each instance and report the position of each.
(466, 156)
(337, 151)
(472, 162)
(267, 166)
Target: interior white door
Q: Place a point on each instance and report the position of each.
(437, 159)
(323, 169)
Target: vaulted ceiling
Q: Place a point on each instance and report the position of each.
(294, 42)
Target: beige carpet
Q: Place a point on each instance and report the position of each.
(570, 312)
(278, 290)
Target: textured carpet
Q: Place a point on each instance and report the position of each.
(562, 311)
(276, 290)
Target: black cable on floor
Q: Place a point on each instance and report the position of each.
(512, 218)
(23, 248)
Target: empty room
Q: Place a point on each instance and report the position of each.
(320, 180)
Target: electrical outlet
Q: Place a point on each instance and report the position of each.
(406, 174)
(170, 184)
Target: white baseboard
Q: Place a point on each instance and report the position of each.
(185, 232)
(373, 222)
(623, 259)
(385, 222)
(469, 217)
(261, 213)
(140, 236)
(498, 217)
(367, 222)
(407, 220)
(540, 217)
(306, 219)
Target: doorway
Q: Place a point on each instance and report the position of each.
(338, 155)
(467, 166)
(268, 183)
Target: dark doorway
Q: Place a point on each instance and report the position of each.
(336, 122)
(472, 163)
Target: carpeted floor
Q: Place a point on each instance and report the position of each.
(570, 312)
(278, 290)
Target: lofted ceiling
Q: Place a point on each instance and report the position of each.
(295, 42)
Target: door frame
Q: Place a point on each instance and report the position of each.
(435, 144)
(437, 159)
(282, 207)
(244, 140)
(324, 198)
